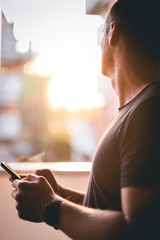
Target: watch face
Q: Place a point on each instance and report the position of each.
(52, 212)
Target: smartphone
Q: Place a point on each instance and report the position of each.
(13, 173)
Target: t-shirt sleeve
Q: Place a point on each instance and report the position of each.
(140, 146)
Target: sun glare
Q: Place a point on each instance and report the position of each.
(72, 99)
(73, 79)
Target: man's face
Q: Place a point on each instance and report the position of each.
(107, 56)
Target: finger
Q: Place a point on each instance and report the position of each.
(14, 194)
(43, 172)
(17, 196)
(49, 176)
(15, 183)
(11, 178)
(21, 210)
(39, 171)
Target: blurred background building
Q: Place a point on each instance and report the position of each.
(12, 64)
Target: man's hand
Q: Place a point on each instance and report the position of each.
(32, 193)
(50, 178)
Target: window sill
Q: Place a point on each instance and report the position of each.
(53, 166)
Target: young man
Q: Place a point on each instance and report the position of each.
(122, 200)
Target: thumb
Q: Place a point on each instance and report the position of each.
(44, 172)
(49, 176)
(40, 172)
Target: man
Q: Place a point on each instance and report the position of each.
(122, 200)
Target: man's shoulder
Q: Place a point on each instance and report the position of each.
(144, 112)
(148, 100)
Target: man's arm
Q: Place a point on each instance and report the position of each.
(81, 223)
(134, 222)
(137, 217)
(141, 208)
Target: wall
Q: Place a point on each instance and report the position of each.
(11, 227)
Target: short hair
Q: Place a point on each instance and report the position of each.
(139, 21)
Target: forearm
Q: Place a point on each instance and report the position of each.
(71, 195)
(81, 223)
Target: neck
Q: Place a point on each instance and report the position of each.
(130, 79)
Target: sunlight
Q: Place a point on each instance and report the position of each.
(72, 98)
(73, 78)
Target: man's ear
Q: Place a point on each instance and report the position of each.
(113, 34)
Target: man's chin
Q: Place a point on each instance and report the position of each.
(105, 73)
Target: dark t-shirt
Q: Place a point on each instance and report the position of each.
(128, 153)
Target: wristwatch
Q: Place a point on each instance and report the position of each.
(52, 212)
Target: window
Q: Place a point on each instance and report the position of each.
(50, 102)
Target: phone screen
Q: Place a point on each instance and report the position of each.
(12, 172)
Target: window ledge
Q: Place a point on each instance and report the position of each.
(54, 166)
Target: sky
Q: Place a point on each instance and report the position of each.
(66, 39)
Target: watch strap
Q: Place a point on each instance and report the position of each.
(52, 212)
